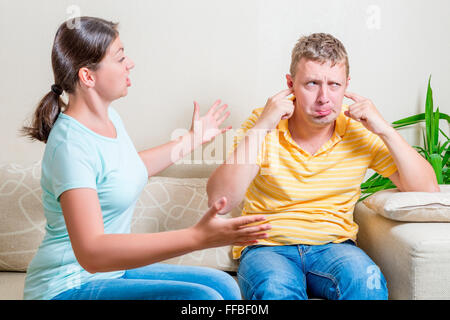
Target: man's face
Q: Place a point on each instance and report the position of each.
(319, 90)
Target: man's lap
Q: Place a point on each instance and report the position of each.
(332, 271)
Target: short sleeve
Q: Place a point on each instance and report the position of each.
(72, 167)
(242, 131)
(382, 161)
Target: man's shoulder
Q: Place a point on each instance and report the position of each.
(257, 112)
(253, 117)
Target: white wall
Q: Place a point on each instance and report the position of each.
(235, 50)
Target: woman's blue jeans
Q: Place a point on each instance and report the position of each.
(160, 282)
(296, 272)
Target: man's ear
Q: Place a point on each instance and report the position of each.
(86, 77)
(289, 80)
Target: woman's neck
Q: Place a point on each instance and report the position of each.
(88, 107)
(92, 112)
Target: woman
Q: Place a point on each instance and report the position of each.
(92, 177)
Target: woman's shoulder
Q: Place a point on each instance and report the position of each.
(68, 139)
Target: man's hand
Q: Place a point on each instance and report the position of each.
(364, 111)
(406, 158)
(277, 108)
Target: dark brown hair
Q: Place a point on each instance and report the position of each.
(83, 44)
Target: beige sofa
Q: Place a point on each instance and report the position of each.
(415, 257)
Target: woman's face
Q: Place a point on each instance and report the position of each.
(111, 78)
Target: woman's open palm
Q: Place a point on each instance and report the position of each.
(207, 127)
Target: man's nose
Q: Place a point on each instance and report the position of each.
(323, 97)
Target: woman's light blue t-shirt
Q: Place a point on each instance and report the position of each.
(77, 157)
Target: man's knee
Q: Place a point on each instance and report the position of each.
(369, 284)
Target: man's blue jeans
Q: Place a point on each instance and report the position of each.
(292, 272)
(159, 282)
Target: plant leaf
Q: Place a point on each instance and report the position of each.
(428, 115)
(436, 163)
(435, 131)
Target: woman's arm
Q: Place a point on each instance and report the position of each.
(203, 129)
(100, 252)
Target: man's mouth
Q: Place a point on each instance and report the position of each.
(324, 112)
(128, 82)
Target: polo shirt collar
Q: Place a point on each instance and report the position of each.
(339, 130)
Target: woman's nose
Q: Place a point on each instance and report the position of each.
(130, 64)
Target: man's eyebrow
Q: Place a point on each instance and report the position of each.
(309, 79)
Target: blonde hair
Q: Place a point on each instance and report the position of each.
(321, 47)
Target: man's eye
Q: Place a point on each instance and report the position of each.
(122, 59)
(311, 83)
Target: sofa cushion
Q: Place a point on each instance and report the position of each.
(176, 203)
(412, 206)
(11, 285)
(21, 215)
(165, 204)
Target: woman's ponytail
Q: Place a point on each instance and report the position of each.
(73, 48)
(45, 116)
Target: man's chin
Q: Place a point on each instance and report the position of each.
(325, 120)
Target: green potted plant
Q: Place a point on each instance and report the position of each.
(436, 152)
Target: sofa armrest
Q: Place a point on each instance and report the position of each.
(413, 257)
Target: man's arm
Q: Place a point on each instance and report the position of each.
(233, 177)
(414, 172)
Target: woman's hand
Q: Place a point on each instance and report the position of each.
(212, 231)
(207, 127)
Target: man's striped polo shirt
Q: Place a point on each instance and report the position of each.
(309, 199)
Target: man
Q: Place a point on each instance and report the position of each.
(300, 162)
